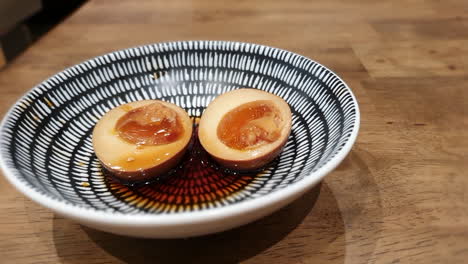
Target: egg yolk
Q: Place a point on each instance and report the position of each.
(153, 124)
(250, 125)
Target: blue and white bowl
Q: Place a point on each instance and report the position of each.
(47, 154)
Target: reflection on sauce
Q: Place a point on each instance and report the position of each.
(195, 183)
(153, 124)
(250, 125)
(49, 103)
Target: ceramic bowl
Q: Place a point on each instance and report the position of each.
(47, 154)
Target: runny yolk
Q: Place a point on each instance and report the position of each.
(250, 125)
(153, 124)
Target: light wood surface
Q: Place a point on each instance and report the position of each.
(399, 197)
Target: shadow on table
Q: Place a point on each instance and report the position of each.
(227, 247)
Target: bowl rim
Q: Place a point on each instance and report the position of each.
(196, 217)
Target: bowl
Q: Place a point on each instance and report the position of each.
(47, 154)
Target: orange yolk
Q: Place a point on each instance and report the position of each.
(250, 125)
(153, 124)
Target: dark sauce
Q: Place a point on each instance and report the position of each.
(197, 182)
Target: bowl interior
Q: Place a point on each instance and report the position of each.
(46, 137)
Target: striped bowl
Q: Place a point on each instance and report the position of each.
(47, 154)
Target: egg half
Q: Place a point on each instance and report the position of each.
(245, 129)
(142, 140)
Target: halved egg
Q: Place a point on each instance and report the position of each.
(245, 129)
(143, 139)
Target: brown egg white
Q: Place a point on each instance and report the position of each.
(142, 140)
(245, 129)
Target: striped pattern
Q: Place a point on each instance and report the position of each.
(46, 138)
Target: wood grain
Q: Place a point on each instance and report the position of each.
(400, 195)
(2, 58)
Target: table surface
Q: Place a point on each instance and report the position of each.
(399, 197)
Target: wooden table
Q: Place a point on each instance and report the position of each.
(399, 197)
